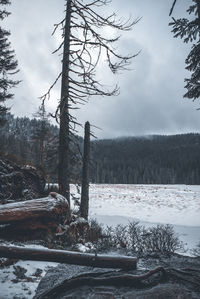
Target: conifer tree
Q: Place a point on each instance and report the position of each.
(189, 31)
(8, 63)
(40, 136)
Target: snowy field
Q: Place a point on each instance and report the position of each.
(178, 205)
(118, 204)
(174, 204)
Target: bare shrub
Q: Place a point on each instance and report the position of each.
(94, 231)
(120, 236)
(132, 238)
(196, 251)
(135, 231)
(160, 239)
(137, 239)
(106, 243)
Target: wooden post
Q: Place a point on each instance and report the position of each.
(85, 174)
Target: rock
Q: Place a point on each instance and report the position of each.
(19, 272)
(184, 285)
(56, 276)
(19, 183)
(163, 291)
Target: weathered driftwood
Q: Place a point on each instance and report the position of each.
(69, 257)
(42, 208)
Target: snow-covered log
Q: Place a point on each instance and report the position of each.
(69, 257)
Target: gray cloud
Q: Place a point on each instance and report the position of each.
(151, 99)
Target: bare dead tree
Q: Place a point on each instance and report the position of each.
(84, 44)
(85, 173)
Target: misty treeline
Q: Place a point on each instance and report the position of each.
(132, 160)
(151, 160)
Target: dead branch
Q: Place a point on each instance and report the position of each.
(172, 8)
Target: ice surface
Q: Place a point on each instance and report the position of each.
(178, 205)
(174, 204)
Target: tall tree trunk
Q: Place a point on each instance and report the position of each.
(63, 167)
(85, 173)
(198, 11)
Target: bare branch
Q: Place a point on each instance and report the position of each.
(172, 8)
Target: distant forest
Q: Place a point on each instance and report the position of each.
(147, 160)
(132, 160)
(34, 142)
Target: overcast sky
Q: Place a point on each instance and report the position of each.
(151, 97)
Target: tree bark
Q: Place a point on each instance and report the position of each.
(85, 174)
(198, 12)
(63, 167)
(68, 257)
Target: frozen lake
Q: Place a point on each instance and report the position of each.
(178, 205)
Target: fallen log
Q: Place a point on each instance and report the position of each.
(51, 207)
(33, 219)
(68, 257)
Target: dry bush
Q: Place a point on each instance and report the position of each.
(196, 251)
(94, 231)
(160, 239)
(129, 239)
(135, 238)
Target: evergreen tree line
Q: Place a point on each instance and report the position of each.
(30, 141)
(147, 160)
(132, 160)
(34, 142)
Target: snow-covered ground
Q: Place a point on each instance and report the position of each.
(174, 204)
(178, 205)
(13, 286)
(118, 204)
